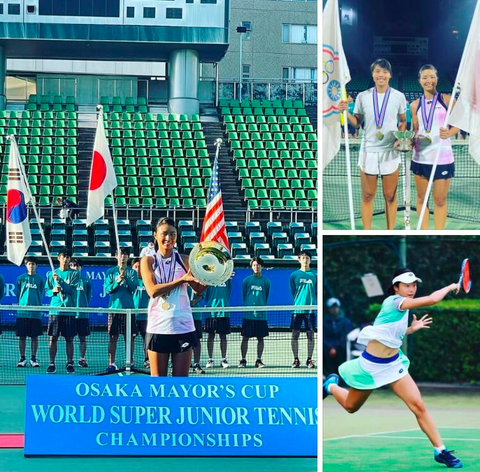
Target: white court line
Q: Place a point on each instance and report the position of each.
(381, 433)
(422, 437)
(372, 434)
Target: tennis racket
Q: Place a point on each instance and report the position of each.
(465, 282)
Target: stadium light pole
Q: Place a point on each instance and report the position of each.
(242, 30)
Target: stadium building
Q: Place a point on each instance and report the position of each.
(167, 76)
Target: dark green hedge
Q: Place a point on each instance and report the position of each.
(450, 350)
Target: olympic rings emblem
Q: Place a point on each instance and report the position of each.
(328, 69)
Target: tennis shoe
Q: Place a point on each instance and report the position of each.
(225, 364)
(198, 369)
(146, 363)
(83, 363)
(111, 369)
(296, 363)
(22, 362)
(331, 379)
(34, 362)
(70, 368)
(259, 364)
(242, 364)
(310, 363)
(51, 369)
(209, 364)
(446, 457)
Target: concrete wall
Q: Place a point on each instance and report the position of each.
(265, 51)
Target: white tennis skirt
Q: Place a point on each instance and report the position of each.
(368, 372)
(379, 163)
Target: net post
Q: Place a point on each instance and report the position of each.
(128, 343)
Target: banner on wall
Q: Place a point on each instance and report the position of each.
(171, 416)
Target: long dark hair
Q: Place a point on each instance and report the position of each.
(391, 289)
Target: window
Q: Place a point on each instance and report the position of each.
(149, 12)
(96, 8)
(30, 8)
(299, 74)
(1, 8)
(248, 25)
(130, 12)
(299, 34)
(14, 9)
(174, 13)
(208, 1)
(189, 1)
(246, 71)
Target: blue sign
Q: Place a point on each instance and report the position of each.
(165, 416)
(279, 278)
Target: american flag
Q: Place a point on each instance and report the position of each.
(214, 223)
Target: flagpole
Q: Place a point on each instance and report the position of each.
(347, 155)
(115, 224)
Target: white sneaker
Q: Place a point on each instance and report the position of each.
(225, 364)
(34, 362)
(22, 362)
(209, 364)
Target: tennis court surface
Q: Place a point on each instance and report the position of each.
(463, 197)
(384, 435)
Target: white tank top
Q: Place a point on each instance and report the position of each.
(424, 151)
(177, 319)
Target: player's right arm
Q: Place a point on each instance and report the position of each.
(413, 112)
(154, 289)
(432, 299)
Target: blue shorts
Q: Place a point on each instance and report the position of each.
(444, 171)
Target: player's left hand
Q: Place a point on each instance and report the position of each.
(423, 323)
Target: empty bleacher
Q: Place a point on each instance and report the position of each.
(273, 145)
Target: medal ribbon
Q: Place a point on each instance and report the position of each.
(171, 273)
(380, 116)
(428, 122)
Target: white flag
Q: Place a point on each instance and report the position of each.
(19, 237)
(466, 114)
(102, 175)
(335, 75)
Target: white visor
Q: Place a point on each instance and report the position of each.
(406, 278)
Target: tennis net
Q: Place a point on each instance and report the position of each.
(277, 355)
(463, 197)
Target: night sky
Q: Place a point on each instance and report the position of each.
(444, 22)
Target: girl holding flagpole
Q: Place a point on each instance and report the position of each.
(170, 326)
(428, 115)
(383, 111)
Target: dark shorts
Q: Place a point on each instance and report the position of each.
(171, 343)
(445, 171)
(62, 325)
(117, 324)
(141, 327)
(298, 319)
(28, 327)
(254, 328)
(198, 328)
(217, 325)
(83, 327)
